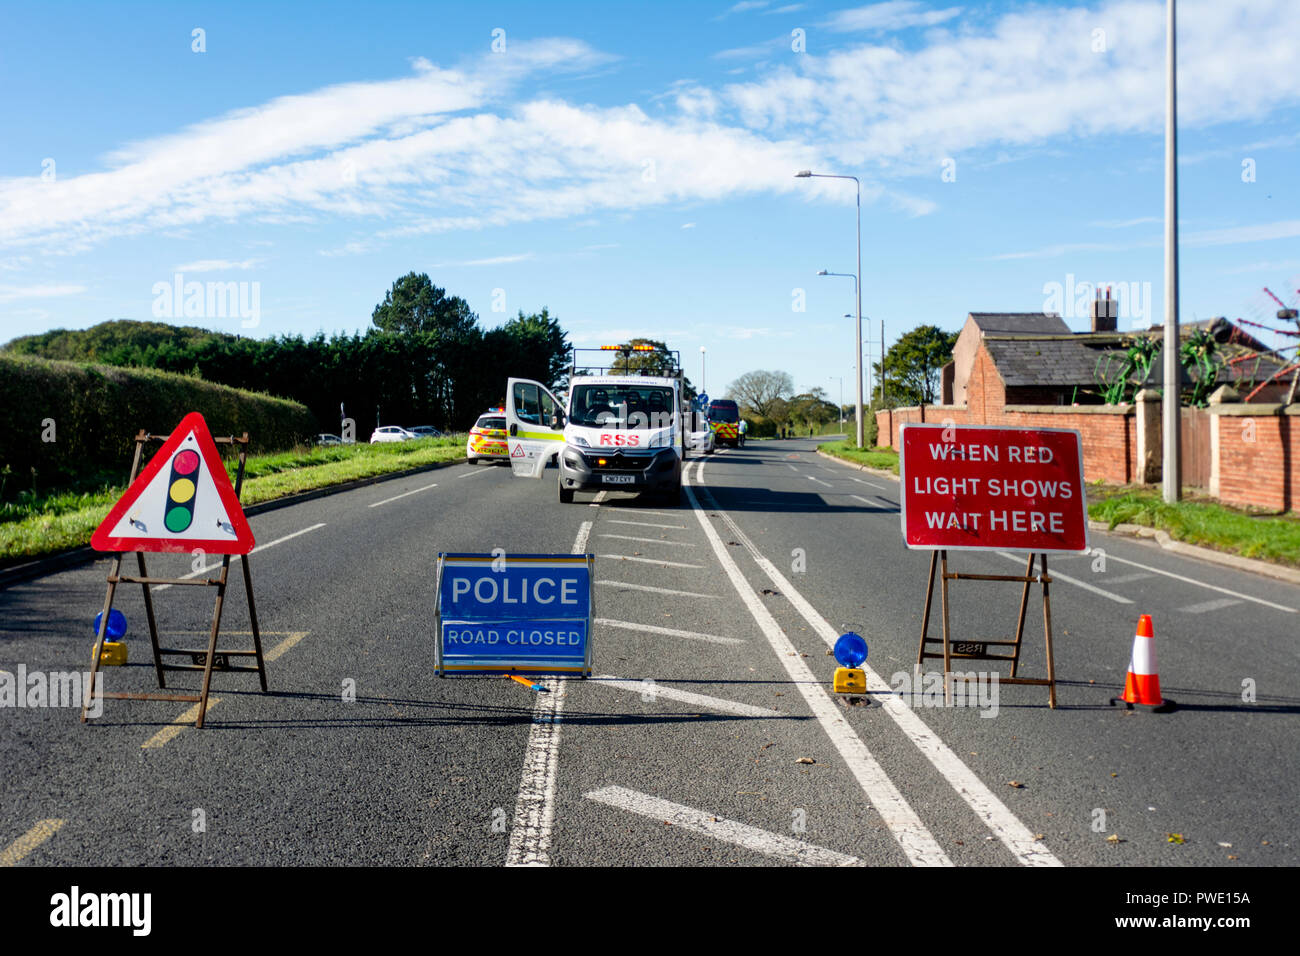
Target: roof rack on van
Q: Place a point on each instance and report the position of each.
(667, 364)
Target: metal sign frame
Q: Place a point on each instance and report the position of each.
(442, 668)
(205, 660)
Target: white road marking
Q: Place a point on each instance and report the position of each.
(260, 547)
(917, 843)
(1211, 587)
(819, 481)
(1017, 838)
(595, 502)
(477, 471)
(669, 631)
(660, 561)
(647, 524)
(402, 495)
(697, 700)
(1217, 604)
(1122, 578)
(646, 587)
(1058, 576)
(791, 467)
(530, 838)
(662, 514)
(628, 537)
(863, 481)
(580, 543)
(783, 848)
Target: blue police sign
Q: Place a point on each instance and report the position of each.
(521, 613)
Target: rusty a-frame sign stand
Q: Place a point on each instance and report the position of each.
(978, 650)
(200, 660)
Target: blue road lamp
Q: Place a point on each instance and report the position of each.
(850, 651)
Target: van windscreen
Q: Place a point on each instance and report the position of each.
(621, 406)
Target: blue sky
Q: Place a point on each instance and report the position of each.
(631, 166)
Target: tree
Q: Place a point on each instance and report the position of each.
(538, 347)
(913, 364)
(758, 390)
(415, 304)
(813, 408)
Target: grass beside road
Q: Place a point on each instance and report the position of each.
(33, 526)
(1201, 521)
(886, 459)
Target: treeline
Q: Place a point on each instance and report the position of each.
(426, 360)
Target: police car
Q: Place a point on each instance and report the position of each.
(487, 439)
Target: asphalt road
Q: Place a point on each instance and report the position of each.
(711, 737)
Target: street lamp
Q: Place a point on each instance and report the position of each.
(703, 391)
(809, 174)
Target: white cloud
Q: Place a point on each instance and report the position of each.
(688, 225)
(493, 261)
(1125, 223)
(10, 293)
(893, 15)
(218, 265)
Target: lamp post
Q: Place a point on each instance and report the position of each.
(1171, 478)
(841, 378)
(703, 390)
(857, 284)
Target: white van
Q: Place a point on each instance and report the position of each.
(619, 431)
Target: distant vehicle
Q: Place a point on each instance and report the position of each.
(425, 431)
(724, 420)
(390, 433)
(701, 434)
(328, 440)
(487, 439)
(622, 430)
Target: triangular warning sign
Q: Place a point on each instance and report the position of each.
(182, 501)
(518, 452)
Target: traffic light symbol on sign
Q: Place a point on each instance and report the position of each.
(181, 491)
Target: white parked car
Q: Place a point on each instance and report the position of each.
(390, 433)
(702, 442)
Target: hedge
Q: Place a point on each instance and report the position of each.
(92, 413)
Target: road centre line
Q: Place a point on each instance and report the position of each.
(404, 494)
(819, 481)
(1211, 587)
(647, 524)
(185, 720)
(654, 590)
(659, 561)
(260, 547)
(636, 686)
(477, 471)
(668, 631)
(530, 837)
(1058, 576)
(628, 537)
(38, 834)
(783, 848)
(1017, 838)
(1123, 578)
(863, 481)
(917, 843)
(1217, 604)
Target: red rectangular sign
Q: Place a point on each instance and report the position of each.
(974, 487)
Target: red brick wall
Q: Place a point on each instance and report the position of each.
(1109, 438)
(1264, 472)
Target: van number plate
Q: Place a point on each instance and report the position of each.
(617, 479)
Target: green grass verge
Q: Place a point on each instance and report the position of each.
(886, 459)
(37, 525)
(1202, 522)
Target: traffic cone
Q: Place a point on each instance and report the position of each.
(1142, 685)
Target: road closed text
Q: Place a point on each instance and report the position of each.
(462, 636)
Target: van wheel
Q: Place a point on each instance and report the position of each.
(566, 495)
